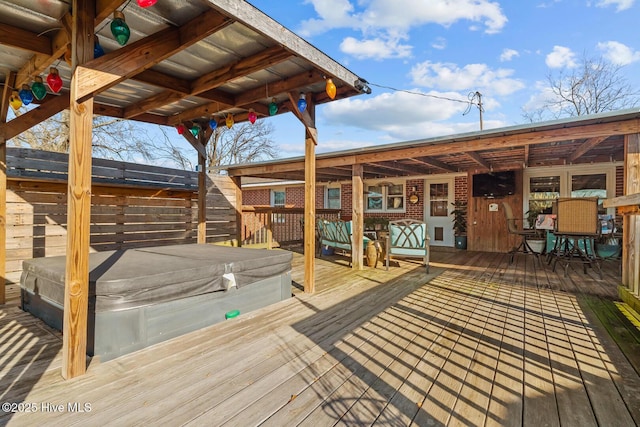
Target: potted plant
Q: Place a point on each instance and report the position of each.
(459, 213)
(536, 242)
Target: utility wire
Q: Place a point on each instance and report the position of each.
(469, 102)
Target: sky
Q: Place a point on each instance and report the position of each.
(422, 57)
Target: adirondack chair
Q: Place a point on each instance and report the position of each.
(407, 238)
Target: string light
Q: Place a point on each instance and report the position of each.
(252, 116)
(195, 130)
(273, 107)
(98, 51)
(15, 100)
(26, 95)
(180, 128)
(302, 103)
(213, 124)
(330, 88)
(119, 28)
(53, 80)
(229, 120)
(38, 89)
(146, 3)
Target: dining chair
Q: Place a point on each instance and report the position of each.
(577, 225)
(523, 233)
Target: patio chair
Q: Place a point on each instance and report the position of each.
(407, 238)
(577, 225)
(523, 233)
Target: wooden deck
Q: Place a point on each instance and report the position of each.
(476, 342)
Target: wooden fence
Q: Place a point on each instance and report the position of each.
(133, 205)
(270, 227)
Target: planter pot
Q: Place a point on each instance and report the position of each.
(536, 246)
(461, 242)
(607, 251)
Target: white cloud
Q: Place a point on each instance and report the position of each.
(439, 43)
(561, 57)
(445, 76)
(508, 55)
(619, 4)
(376, 48)
(404, 116)
(618, 53)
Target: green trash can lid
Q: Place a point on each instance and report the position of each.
(231, 314)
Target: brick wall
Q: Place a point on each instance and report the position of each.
(257, 197)
(461, 188)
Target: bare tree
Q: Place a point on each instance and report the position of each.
(594, 86)
(243, 143)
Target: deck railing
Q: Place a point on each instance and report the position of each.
(271, 226)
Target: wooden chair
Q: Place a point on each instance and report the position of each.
(577, 226)
(523, 233)
(407, 238)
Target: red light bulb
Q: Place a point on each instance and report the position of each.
(53, 80)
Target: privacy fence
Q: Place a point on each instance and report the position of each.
(133, 205)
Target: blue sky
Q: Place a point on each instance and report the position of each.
(447, 48)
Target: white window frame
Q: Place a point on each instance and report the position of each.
(565, 173)
(326, 196)
(385, 196)
(273, 198)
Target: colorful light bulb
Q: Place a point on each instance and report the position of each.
(302, 103)
(180, 128)
(213, 124)
(38, 89)
(15, 100)
(119, 28)
(252, 116)
(330, 88)
(229, 120)
(195, 130)
(273, 107)
(146, 3)
(98, 51)
(53, 80)
(25, 94)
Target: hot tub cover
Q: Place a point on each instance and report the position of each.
(130, 278)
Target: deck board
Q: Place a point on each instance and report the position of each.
(477, 341)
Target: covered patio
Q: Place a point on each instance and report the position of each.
(478, 341)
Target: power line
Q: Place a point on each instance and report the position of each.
(423, 94)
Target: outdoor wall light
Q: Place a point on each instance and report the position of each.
(38, 89)
(25, 95)
(146, 3)
(119, 28)
(252, 116)
(15, 100)
(53, 80)
(273, 107)
(330, 88)
(302, 103)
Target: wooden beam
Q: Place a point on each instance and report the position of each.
(357, 217)
(114, 67)
(290, 84)
(431, 162)
(4, 109)
(23, 39)
(305, 117)
(310, 142)
(631, 223)
(51, 106)
(105, 8)
(202, 199)
(525, 160)
(238, 206)
(478, 159)
(586, 146)
(76, 289)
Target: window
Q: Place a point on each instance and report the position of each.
(543, 190)
(385, 198)
(332, 199)
(439, 199)
(593, 185)
(277, 198)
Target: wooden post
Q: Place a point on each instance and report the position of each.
(357, 216)
(202, 199)
(311, 136)
(239, 223)
(76, 290)
(4, 109)
(631, 223)
(269, 225)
